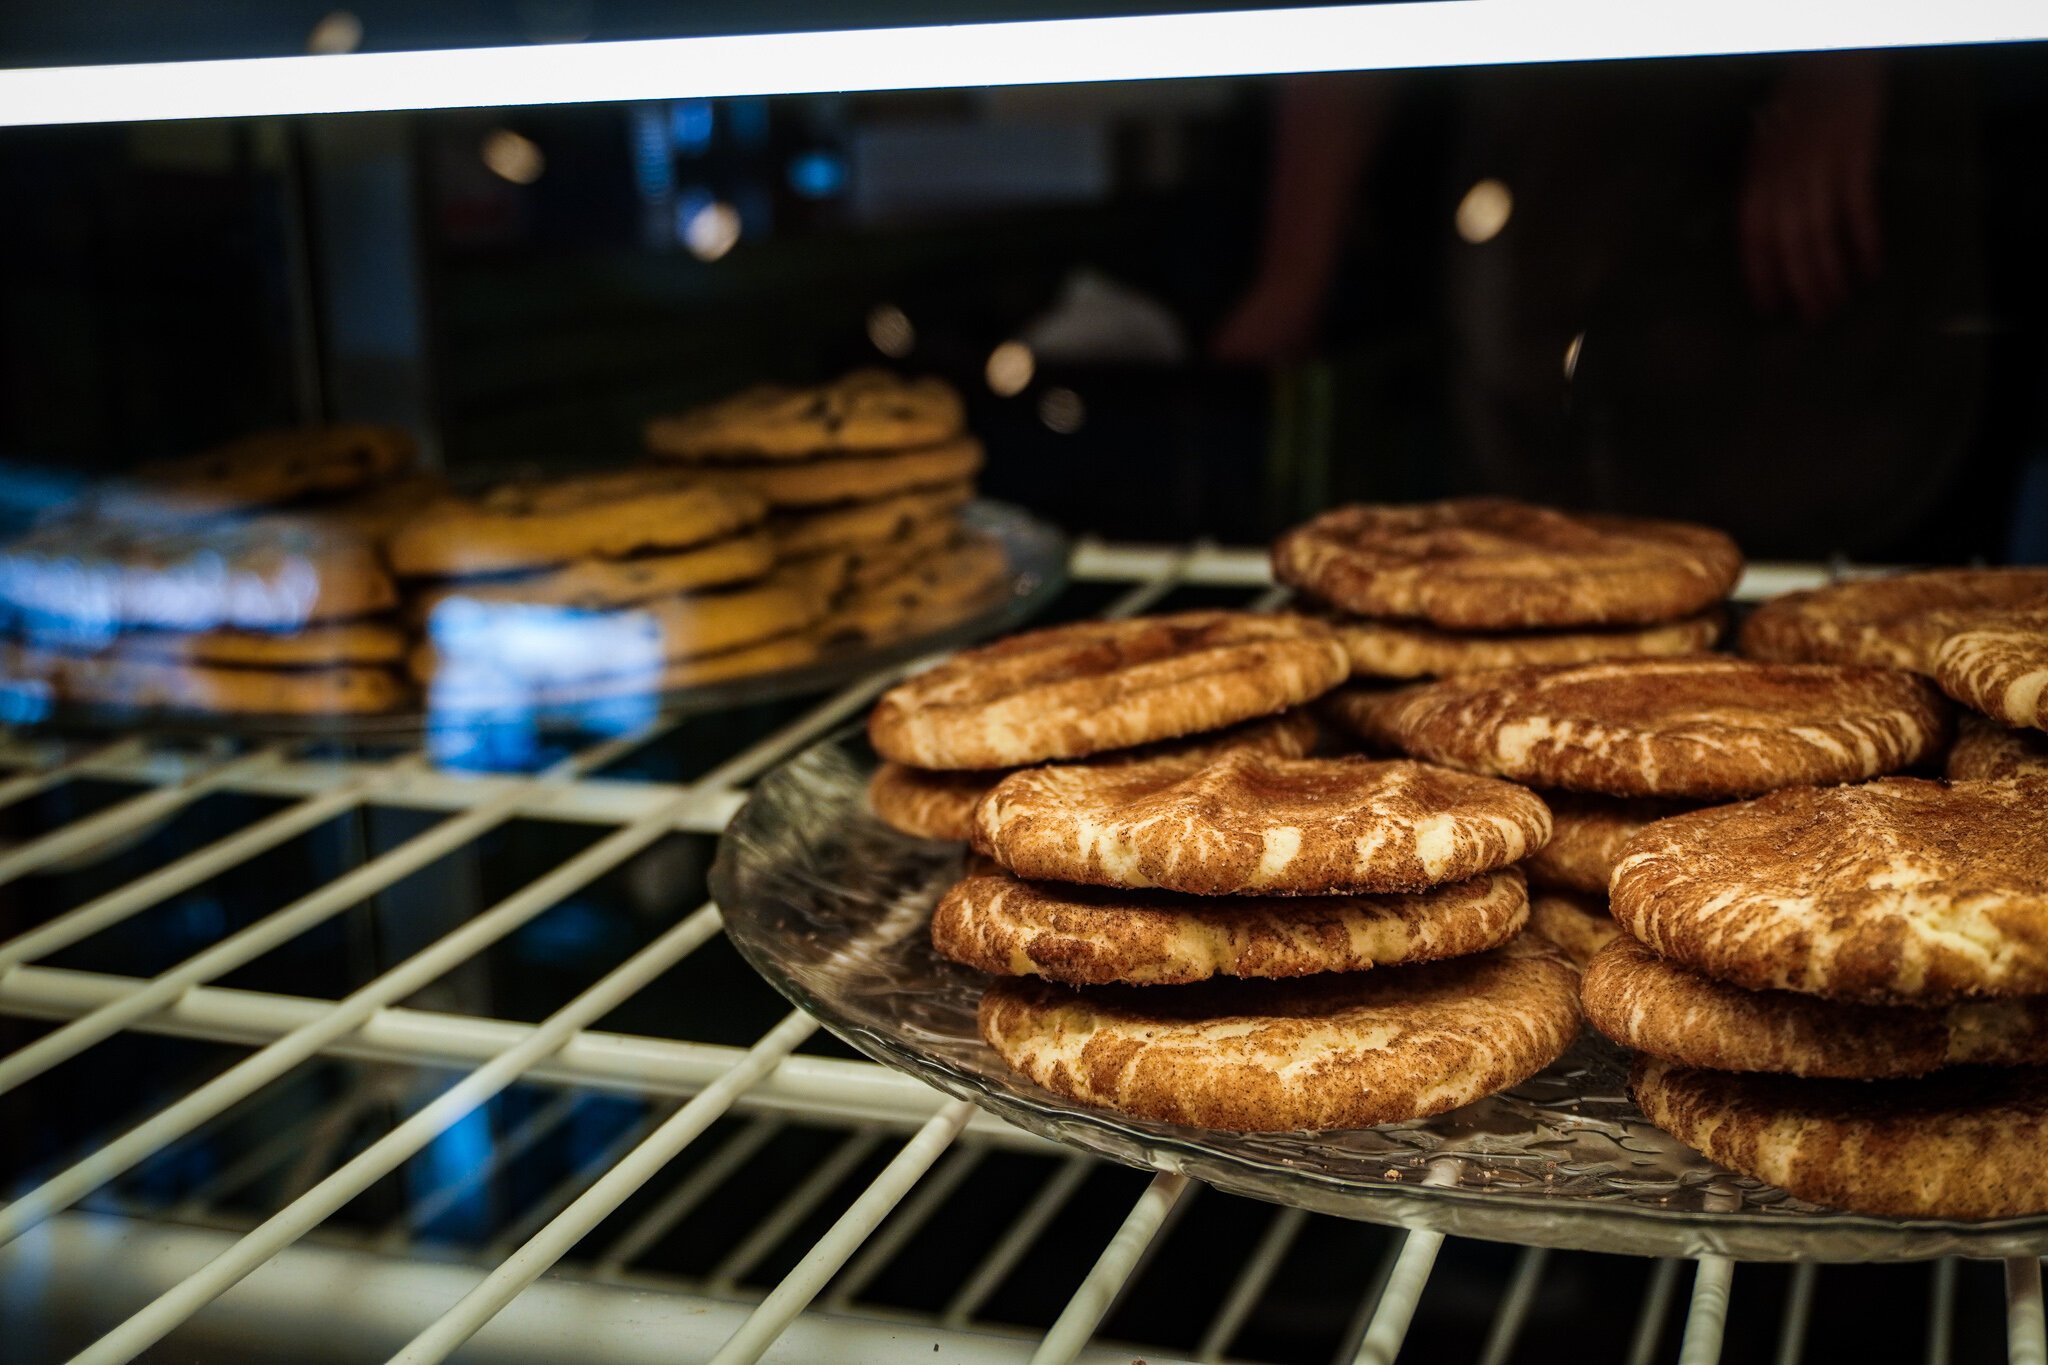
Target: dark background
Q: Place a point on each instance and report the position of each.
(167, 286)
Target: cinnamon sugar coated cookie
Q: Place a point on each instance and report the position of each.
(1348, 1050)
(1642, 1001)
(1984, 749)
(1249, 823)
(1580, 925)
(1076, 690)
(1958, 1144)
(1497, 564)
(1999, 665)
(1401, 649)
(1698, 728)
(1895, 622)
(931, 804)
(1586, 835)
(1900, 890)
(1089, 936)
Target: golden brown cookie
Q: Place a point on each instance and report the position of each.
(544, 645)
(1402, 649)
(349, 642)
(262, 470)
(262, 573)
(1340, 1050)
(1586, 835)
(860, 525)
(146, 684)
(1075, 690)
(865, 410)
(1580, 925)
(596, 584)
(1999, 665)
(929, 804)
(1088, 936)
(1984, 750)
(859, 478)
(1249, 823)
(1958, 1144)
(1642, 1001)
(460, 694)
(870, 566)
(1898, 890)
(1497, 564)
(1894, 622)
(1698, 728)
(535, 525)
(937, 591)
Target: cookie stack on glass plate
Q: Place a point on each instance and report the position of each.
(1844, 991)
(865, 475)
(247, 579)
(1982, 634)
(1433, 589)
(622, 584)
(1617, 745)
(1221, 934)
(1467, 586)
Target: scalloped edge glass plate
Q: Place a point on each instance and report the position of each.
(1037, 556)
(830, 906)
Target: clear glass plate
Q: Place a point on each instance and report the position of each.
(831, 906)
(1037, 556)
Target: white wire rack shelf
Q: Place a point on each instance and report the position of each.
(278, 1282)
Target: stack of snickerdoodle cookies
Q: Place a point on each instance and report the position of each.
(1844, 990)
(1981, 633)
(1221, 932)
(865, 477)
(244, 579)
(1432, 589)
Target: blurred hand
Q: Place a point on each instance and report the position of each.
(1809, 217)
(1272, 323)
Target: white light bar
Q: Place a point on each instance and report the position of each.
(1238, 43)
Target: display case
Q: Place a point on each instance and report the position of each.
(363, 992)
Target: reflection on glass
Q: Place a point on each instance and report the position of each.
(1009, 369)
(1484, 211)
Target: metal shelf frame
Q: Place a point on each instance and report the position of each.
(934, 1142)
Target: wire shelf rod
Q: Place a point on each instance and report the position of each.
(611, 1189)
(2025, 1343)
(810, 1275)
(789, 1211)
(1707, 1315)
(1270, 1250)
(927, 1199)
(1099, 1289)
(1002, 1258)
(137, 811)
(350, 1012)
(385, 1155)
(710, 1175)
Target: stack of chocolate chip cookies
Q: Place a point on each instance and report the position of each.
(619, 584)
(865, 477)
(247, 579)
(1434, 589)
(1982, 634)
(1222, 933)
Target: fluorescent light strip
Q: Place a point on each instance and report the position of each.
(1149, 47)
